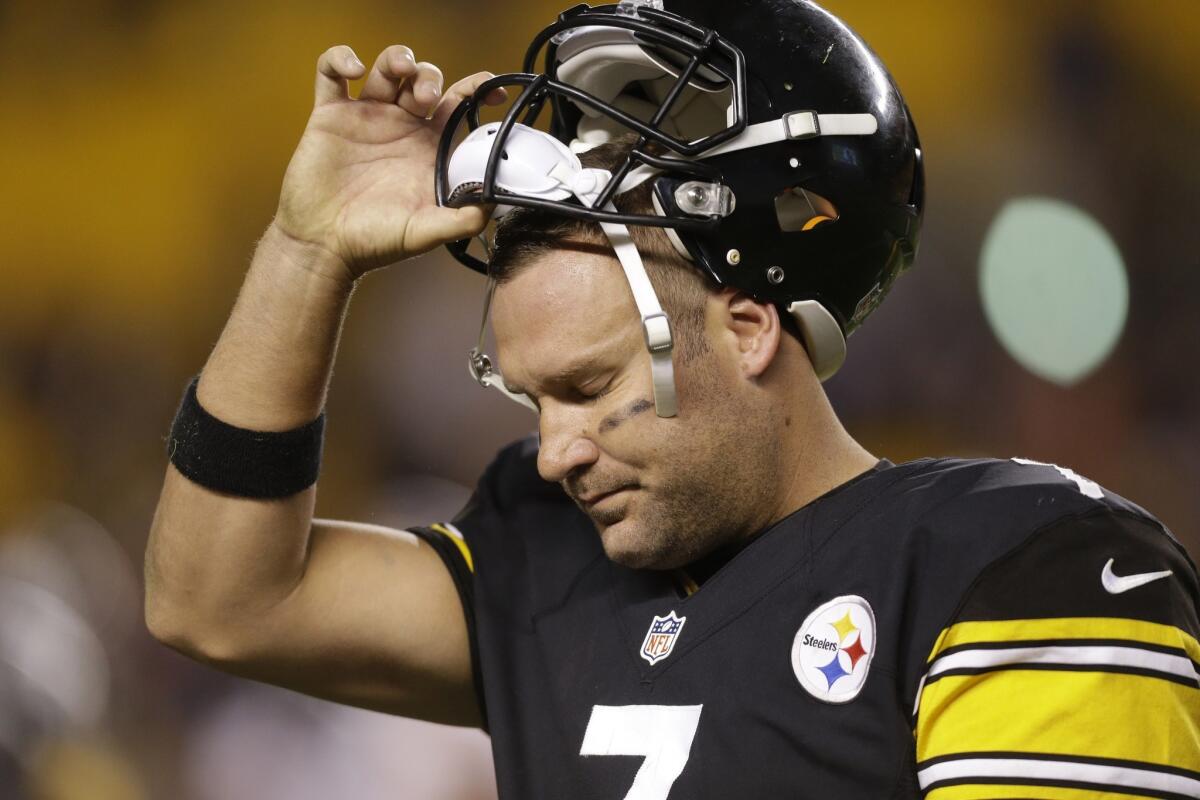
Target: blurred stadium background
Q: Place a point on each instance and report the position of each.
(142, 145)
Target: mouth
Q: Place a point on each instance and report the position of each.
(596, 498)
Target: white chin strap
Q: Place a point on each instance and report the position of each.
(656, 328)
(535, 164)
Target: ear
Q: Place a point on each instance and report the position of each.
(754, 328)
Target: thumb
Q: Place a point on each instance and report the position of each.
(438, 225)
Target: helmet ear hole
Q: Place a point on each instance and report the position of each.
(799, 209)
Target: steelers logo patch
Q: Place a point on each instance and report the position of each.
(832, 651)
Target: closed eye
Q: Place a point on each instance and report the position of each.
(587, 394)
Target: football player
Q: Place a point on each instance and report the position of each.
(694, 583)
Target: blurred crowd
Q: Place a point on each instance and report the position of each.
(142, 146)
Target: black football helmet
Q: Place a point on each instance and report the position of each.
(783, 159)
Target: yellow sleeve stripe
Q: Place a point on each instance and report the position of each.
(1090, 714)
(455, 535)
(975, 791)
(1016, 630)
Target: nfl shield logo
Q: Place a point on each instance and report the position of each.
(661, 638)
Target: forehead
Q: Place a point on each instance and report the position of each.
(565, 309)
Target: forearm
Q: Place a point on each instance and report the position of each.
(211, 555)
(270, 369)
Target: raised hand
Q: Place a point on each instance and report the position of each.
(360, 184)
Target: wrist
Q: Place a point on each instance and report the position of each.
(306, 256)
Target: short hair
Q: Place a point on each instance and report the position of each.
(524, 234)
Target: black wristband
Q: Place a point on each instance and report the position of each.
(241, 462)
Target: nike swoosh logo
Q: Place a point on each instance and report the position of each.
(1116, 584)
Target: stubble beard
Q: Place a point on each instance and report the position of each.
(679, 527)
(678, 520)
(714, 495)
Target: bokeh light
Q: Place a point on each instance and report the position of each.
(1054, 288)
(142, 147)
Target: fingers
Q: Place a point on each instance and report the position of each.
(396, 77)
(462, 90)
(420, 94)
(393, 66)
(335, 66)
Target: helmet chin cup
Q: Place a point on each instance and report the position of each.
(822, 336)
(529, 162)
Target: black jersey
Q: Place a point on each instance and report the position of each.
(944, 628)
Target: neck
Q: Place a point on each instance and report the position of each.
(818, 454)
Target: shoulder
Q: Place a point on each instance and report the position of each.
(510, 494)
(962, 501)
(950, 485)
(990, 539)
(1014, 521)
(512, 479)
(1089, 598)
(1025, 539)
(1066, 542)
(950, 518)
(516, 524)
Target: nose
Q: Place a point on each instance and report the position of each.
(565, 447)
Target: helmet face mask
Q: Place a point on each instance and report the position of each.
(648, 63)
(782, 157)
(672, 40)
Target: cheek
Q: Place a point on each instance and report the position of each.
(668, 453)
(636, 441)
(676, 443)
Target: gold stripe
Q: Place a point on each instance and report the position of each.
(458, 541)
(689, 586)
(992, 792)
(1014, 630)
(1102, 714)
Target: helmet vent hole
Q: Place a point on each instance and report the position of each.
(800, 209)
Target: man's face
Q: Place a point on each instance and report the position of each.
(661, 491)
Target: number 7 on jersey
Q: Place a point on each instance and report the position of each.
(663, 734)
